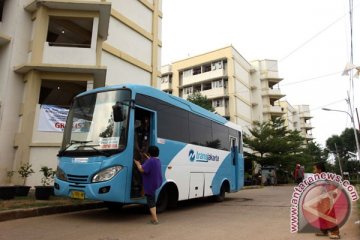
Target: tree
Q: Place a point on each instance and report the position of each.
(273, 144)
(201, 101)
(314, 153)
(340, 146)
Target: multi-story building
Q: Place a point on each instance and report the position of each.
(241, 91)
(305, 121)
(298, 118)
(51, 50)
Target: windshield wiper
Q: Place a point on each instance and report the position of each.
(106, 154)
(83, 145)
(72, 142)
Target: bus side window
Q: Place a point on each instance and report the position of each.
(233, 145)
(240, 143)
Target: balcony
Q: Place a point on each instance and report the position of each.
(203, 77)
(103, 8)
(273, 93)
(273, 110)
(4, 39)
(165, 86)
(309, 136)
(215, 93)
(306, 126)
(98, 72)
(270, 75)
(305, 115)
(73, 33)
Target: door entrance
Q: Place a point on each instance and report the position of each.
(142, 141)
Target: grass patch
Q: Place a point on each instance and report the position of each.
(31, 202)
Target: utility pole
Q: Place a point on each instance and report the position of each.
(351, 114)
(357, 115)
(338, 157)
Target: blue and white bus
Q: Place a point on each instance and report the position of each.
(201, 152)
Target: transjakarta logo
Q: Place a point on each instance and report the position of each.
(202, 157)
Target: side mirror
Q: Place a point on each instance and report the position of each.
(118, 112)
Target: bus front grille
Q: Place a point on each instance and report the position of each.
(78, 178)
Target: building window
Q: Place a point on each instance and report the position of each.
(60, 93)
(197, 88)
(207, 68)
(187, 73)
(218, 103)
(1, 8)
(217, 84)
(70, 32)
(206, 86)
(165, 79)
(216, 65)
(188, 90)
(196, 70)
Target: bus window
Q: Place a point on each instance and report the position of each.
(233, 146)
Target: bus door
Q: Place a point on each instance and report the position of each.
(143, 138)
(234, 145)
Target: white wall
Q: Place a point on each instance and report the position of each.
(41, 156)
(119, 71)
(135, 11)
(129, 41)
(11, 84)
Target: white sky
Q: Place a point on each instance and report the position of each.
(309, 38)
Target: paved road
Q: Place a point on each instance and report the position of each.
(248, 214)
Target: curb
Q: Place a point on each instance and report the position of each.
(40, 211)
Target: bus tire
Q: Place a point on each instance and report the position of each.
(221, 196)
(162, 201)
(114, 206)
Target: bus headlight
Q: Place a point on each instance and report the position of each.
(106, 174)
(60, 174)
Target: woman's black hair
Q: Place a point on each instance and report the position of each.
(153, 151)
(320, 166)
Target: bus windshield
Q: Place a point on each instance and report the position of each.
(90, 126)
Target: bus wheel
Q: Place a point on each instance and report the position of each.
(114, 206)
(162, 201)
(221, 196)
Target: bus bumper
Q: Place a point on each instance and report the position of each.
(113, 190)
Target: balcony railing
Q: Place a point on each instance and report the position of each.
(305, 115)
(203, 77)
(210, 94)
(273, 110)
(306, 125)
(215, 93)
(309, 136)
(272, 93)
(270, 75)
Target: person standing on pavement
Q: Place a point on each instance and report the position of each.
(152, 179)
(325, 203)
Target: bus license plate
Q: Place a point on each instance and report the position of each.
(78, 195)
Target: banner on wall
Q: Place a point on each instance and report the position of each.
(52, 118)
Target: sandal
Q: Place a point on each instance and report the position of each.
(334, 236)
(154, 222)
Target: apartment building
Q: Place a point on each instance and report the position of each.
(241, 91)
(51, 50)
(298, 118)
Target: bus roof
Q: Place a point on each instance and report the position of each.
(174, 100)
